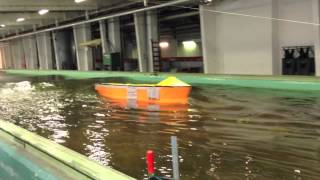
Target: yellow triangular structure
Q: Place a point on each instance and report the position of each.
(172, 81)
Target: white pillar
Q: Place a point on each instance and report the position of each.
(2, 62)
(30, 50)
(17, 54)
(103, 35)
(211, 64)
(153, 35)
(3, 56)
(82, 33)
(146, 29)
(56, 51)
(141, 38)
(276, 51)
(45, 51)
(7, 56)
(316, 20)
(114, 35)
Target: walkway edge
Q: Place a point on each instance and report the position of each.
(72, 159)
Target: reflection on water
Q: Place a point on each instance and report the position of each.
(224, 133)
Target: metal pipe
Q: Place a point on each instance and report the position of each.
(98, 19)
(175, 158)
(169, 18)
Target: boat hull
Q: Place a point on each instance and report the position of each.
(150, 94)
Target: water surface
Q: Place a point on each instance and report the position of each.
(224, 133)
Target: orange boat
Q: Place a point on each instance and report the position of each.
(145, 106)
(168, 91)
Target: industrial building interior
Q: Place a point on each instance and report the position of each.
(202, 36)
(108, 44)
(159, 89)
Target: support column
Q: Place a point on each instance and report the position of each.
(7, 56)
(103, 35)
(30, 50)
(153, 35)
(44, 51)
(56, 51)
(62, 42)
(316, 27)
(141, 38)
(210, 60)
(82, 33)
(146, 27)
(114, 35)
(114, 39)
(2, 62)
(276, 51)
(3, 56)
(17, 54)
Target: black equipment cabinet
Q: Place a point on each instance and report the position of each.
(289, 63)
(298, 60)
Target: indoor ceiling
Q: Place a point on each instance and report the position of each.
(59, 10)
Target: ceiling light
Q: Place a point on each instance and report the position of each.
(43, 11)
(79, 1)
(20, 19)
(189, 45)
(164, 45)
(2, 25)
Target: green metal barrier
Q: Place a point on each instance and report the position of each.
(25, 154)
(271, 82)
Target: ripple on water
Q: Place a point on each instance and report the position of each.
(225, 133)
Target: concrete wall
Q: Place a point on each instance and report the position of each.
(235, 44)
(291, 33)
(171, 51)
(176, 48)
(183, 52)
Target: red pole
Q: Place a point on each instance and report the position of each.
(150, 162)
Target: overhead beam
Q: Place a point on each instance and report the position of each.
(99, 19)
(9, 19)
(53, 5)
(32, 19)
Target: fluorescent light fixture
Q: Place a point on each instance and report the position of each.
(164, 45)
(43, 11)
(79, 1)
(2, 25)
(20, 19)
(189, 45)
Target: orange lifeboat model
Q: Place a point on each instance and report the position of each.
(168, 91)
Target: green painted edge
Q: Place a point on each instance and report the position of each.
(42, 174)
(304, 83)
(66, 156)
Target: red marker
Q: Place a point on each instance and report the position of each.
(150, 162)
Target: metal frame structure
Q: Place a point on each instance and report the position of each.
(96, 19)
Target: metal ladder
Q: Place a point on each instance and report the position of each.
(156, 56)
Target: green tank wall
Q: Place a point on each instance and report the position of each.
(271, 82)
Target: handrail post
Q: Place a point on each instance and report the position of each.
(175, 158)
